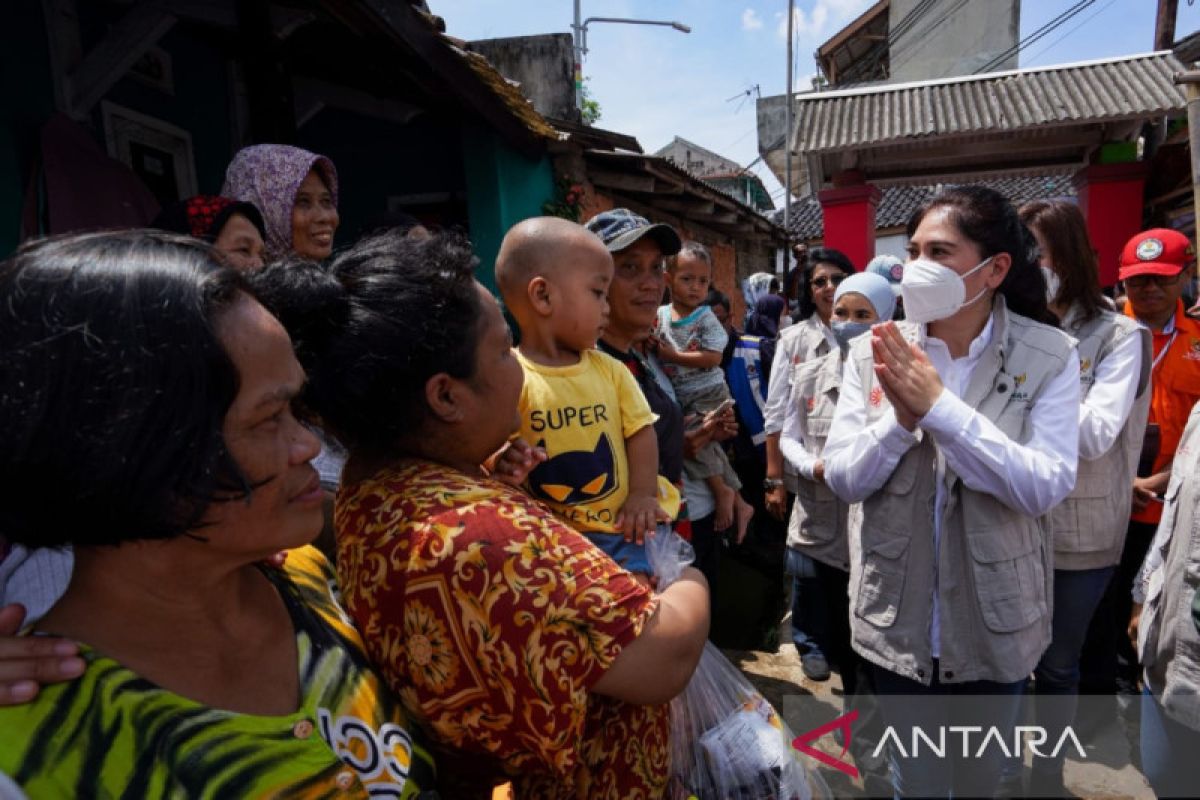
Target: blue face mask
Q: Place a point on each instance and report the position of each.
(844, 330)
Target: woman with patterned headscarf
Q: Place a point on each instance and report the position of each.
(297, 193)
(760, 284)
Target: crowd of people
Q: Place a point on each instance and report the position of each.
(980, 466)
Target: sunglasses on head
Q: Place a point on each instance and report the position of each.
(822, 281)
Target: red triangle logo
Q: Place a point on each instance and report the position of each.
(843, 722)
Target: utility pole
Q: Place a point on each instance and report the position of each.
(1164, 24)
(787, 131)
(1191, 80)
(581, 28)
(577, 30)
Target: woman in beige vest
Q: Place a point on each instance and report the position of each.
(817, 525)
(809, 338)
(954, 433)
(1089, 526)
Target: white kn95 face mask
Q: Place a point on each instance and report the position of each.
(932, 291)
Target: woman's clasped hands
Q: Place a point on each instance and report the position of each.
(906, 375)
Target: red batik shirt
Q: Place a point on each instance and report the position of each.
(491, 619)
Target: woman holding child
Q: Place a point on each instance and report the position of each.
(689, 341)
(527, 653)
(639, 250)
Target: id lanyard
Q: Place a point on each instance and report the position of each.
(1163, 354)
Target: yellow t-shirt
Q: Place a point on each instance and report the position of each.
(582, 414)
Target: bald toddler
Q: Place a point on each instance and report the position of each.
(582, 407)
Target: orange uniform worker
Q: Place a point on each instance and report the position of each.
(1155, 265)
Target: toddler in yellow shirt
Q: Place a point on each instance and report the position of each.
(581, 406)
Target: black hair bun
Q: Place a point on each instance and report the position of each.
(311, 303)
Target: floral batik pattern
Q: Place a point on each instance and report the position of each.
(491, 619)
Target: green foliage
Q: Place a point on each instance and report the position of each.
(591, 107)
(567, 202)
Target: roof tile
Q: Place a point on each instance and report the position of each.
(898, 203)
(1123, 88)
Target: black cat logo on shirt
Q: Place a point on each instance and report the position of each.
(576, 476)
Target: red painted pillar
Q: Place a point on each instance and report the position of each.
(848, 210)
(1111, 199)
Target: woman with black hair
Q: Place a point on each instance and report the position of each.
(809, 338)
(764, 321)
(718, 301)
(235, 228)
(1090, 525)
(146, 421)
(528, 653)
(955, 431)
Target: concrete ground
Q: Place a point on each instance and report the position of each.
(1107, 773)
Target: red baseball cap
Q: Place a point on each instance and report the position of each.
(1158, 251)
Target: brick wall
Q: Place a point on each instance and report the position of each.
(728, 271)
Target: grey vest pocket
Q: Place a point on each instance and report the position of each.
(882, 583)
(816, 511)
(1009, 578)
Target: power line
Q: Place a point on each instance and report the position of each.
(1097, 13)
(1036, 35)
(795, 61)
(740, 139)
(911, 47)
(868, 63)
(863, 67)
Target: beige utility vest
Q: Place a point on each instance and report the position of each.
(811, 340)
(994, 567)
(818, 522)
(1169, 644)
(1089, 526)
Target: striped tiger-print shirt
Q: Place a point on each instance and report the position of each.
(112, 733)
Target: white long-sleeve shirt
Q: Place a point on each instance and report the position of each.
(1105, 407)
(791, 444)
(1030, 478)
(779, 388)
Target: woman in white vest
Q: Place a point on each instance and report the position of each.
(956, 431)
(817, 526)
(1165, 629)
(810, 337)
(1089, 526)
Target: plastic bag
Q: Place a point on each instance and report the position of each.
(727, 742)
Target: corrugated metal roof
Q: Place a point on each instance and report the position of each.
(656, 165)
(897, 203)
(1088, 92)
(509, 93)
